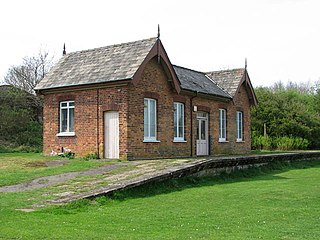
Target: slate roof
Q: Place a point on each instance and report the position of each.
(198, 82)
(228, 80)
(111, 63)
(121, 61)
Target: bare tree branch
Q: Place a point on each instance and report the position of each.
(32, 70)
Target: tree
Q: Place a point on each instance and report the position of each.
(32, 70)
(288, 111)
(19, 119)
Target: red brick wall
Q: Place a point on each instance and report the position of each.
(154, 83)
(114, 99)
(90, 106)
(85, 122)
(89, 126)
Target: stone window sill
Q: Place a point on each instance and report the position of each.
(179, 141)
(151, 141)
(66, 134)
(240, 141)
(223, 141)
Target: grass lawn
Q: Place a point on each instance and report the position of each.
(282, 202)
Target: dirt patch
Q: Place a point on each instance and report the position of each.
(38, 164)
(53, 163)
(56, 163)
(56, 179)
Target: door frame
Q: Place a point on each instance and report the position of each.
(206, 119)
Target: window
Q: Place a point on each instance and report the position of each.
(150, 119)
(222, 125)
(178, 121)
(239, 128)
(67, 117)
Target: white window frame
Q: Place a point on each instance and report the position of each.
(239, 126)
(177, 106)
(150, 138)
(222, 125)
(68, 107)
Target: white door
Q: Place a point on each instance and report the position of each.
(111, 134)
(202, 134)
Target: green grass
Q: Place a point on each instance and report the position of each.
(20, 167)
(281, 201)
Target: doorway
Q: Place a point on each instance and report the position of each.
(202, 134)
(111, 134)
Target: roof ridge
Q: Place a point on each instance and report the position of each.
(226, 70)
(189, 69)
(110, 46)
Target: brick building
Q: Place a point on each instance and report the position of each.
(128, 101)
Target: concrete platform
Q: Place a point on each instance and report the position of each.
(142, 172)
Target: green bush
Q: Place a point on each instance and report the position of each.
(91, 156)
(22, 148)
(20, 121)
(285, 143)
(260, 142)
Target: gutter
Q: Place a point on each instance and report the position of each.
(191, 123)
(205, 95)
(86, 86)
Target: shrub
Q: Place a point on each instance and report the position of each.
(91, 156)
(260, 142)
(285, 143)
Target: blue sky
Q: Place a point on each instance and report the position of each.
(280, 38)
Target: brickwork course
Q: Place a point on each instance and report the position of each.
(119, 78)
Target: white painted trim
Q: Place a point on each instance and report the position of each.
(66, 134)
(179, 141)
(68, 107)
(177, 106)
(222, 125)
(239, 126)
(149, 117)
(150, 140)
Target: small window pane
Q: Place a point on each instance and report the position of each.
(71, 104)
(203, 130)
(153, 130)
(146, 119)
(64, 114)
(175, 120)
(180, 124)
(152, 118)
(222, 124)
(64, 104)
(198, 130)
(180, 131)
(71, 120)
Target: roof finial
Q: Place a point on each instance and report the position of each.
(64, 49)
(245, 63)
(158, 31)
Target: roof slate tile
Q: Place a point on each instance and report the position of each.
(121, 61)
(198, 82)
(228, 80)
(111, 63)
